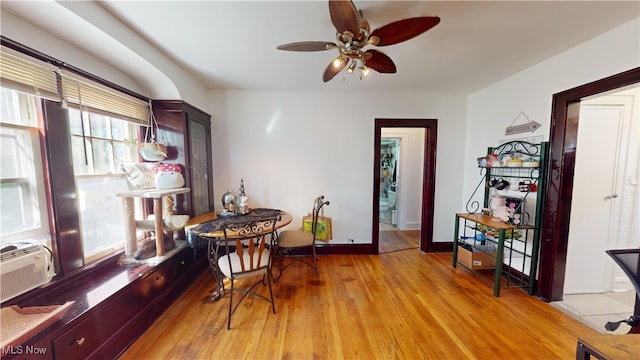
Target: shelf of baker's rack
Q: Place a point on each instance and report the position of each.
(492, 222)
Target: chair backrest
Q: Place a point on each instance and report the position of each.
(250, 238)
(629, 261)
(318, 203)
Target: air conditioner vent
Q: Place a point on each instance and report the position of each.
(30, 249)
(22, 269)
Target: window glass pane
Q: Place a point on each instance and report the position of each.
(120, 130)
(82, 164)
(100, 126)
(12, 208)
(102, 218)
(9, 109)
(75, 123)
(17, 108)
(122, 154)
(100, 153)
(79, 122)
(9, 147)
(102, 156)
(21, 191)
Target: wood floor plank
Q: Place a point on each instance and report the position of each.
(398, 305)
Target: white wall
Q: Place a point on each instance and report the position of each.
(154, 74)
(17, 29)
(494, 108)
(290, 147)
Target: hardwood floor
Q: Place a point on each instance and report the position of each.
(398, 240)
(398, 305)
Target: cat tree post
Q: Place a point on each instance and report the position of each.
(157, 195)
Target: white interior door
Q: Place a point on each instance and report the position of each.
(606, 155)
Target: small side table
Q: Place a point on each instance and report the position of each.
(609, 347)
(130, 221)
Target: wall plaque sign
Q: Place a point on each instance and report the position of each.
(528, 126)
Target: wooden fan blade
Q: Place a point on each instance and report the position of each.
(379, 62)
(307, 46)
(337, 65)
(344, 16)
(402, 30)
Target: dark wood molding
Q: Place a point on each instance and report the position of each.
(428, 185)
(559, 179)
(63, 205)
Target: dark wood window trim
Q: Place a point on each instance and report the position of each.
(66, 237)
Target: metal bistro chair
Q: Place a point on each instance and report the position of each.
(248, 246)
(293, 243)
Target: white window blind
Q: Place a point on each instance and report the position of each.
(26, 74)
(32, 77)
(101, 99)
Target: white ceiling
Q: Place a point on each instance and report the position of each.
(232, 44)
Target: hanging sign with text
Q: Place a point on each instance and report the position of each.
(529, 126)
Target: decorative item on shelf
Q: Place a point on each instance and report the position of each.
(504, 159)
(499, 184)
(514, 211)
(530, 163)
(243, 200)
(493, 161)
(229, 202)
(168, 176)
(502, 184)
(527, 186)
(498, 206)
(514, 162)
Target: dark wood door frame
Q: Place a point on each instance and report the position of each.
(428, 174)
(559, 182)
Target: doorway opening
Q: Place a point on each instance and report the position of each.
(596, 290)
(388, 187)
(560, 177)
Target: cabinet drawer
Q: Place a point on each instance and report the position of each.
(80, 341)
(154, 283)
(89, 334)
(183, 260)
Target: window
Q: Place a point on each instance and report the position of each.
(23, 212)
(99, 145)
(60, 167)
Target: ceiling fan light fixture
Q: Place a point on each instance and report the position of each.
(352, 67)
(353, 34)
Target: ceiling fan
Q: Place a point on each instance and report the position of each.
(353, 33)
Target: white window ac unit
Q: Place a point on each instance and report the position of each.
(23, 266)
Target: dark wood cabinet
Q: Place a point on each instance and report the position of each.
(187, 133)
(113, 305)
